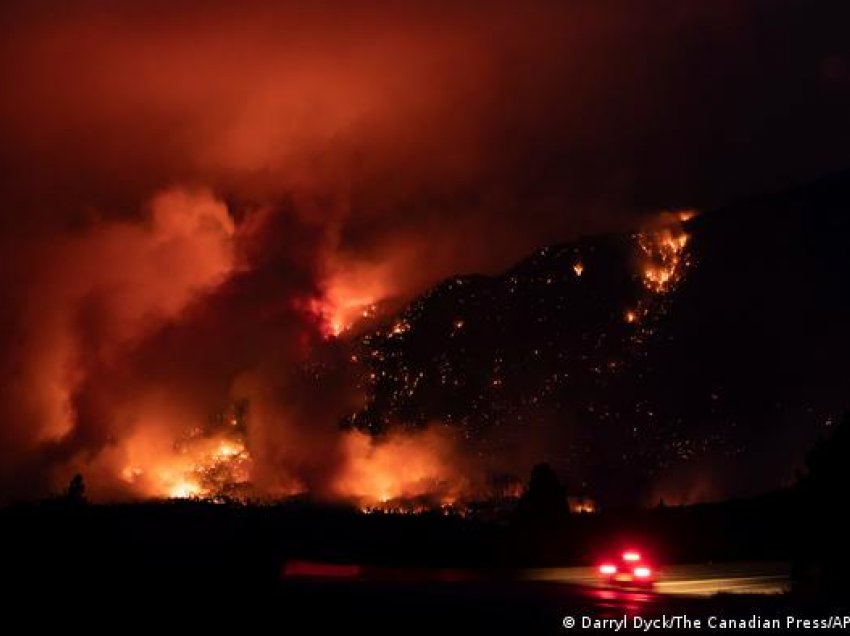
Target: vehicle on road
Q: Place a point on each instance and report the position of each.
(629, 569)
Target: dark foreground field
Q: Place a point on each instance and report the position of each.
(301, 564)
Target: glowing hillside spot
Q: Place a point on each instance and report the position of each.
(664, 255)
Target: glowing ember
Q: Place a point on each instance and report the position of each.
(400, 327)
(582, 505)
(631, 316)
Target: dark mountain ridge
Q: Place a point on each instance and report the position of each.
(710, 384)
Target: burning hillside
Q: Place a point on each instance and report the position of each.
(664, 256)
(402, 464)
(405, 471)
(200, 213)
(464, 384)
(609, 357)
(564, 358)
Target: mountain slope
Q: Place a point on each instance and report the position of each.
(690, 360)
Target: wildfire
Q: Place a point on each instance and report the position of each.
(582, 505)
(211, 462)
(350, 294)
(664, 254)
(185, 490)
(663, 259)
(400, 327)
(228, 449)
(338, 316)
(405, 466)
(578, 268)
(202, 469)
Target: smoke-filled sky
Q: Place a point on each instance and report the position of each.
(184, 183)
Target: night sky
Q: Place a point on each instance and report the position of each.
(207, 208)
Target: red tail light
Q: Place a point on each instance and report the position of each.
(642, 573)
(631, 556)
(607, 569)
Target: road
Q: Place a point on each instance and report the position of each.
(530, 601)
(690, 580)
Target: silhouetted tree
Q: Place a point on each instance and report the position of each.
(545, 497)
(76, 490)
(822, 558)
(828, 464)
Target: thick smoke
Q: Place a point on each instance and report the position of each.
(183, 187)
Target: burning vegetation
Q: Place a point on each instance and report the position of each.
(486, 393)
(394, 451)
(411, 471)
(403, 471)
(212, 462)
(388, 466)
(663, 251)
(195, 204)
(663, 260)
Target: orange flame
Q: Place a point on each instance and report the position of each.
(404, 465)
(339, 314)
(351, 293)
(202, 467)
(664, 252)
